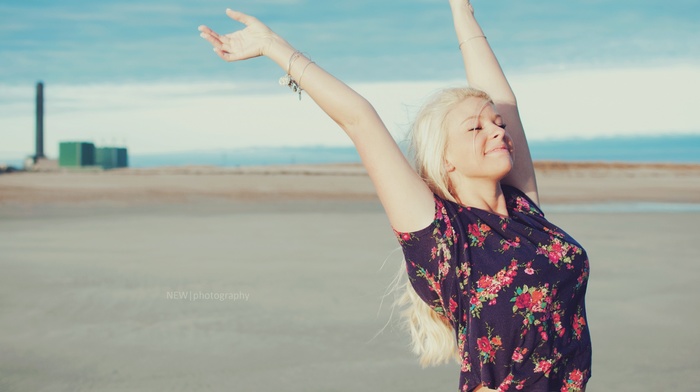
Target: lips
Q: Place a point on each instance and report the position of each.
(502, 147)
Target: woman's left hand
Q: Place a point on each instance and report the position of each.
(252, 41)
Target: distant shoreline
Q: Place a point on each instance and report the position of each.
(558, 182)
(672, 148)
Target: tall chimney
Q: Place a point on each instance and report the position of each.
(39, 121)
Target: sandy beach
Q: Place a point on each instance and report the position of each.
(271, 279)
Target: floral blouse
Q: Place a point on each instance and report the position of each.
(513, 289)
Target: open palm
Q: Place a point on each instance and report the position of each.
(251, 41)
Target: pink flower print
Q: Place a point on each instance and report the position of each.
(521, 204)
(556, 247)
(558, 328)
(487, 347)
(402, 237)
(444, 268)
(519, 354)
(485, 281)
(440, 210)
(558, 251)
(579, 323)
(488, 287)
(505, 385)
(466, 365)
(543, 367)
(477, 233)
(453, 305)
(529, 271)
(517, 357)
(574, 382)
(484, 344)
(576, 376)
(506, 244)
(473, 229)
(553, 258)
(510, 380)
(523, 301)
(584, 275)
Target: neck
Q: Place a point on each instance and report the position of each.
(482, 193)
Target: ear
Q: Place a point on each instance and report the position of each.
(449, 166)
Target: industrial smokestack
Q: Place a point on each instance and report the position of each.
(39, 121)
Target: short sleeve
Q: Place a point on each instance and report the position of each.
(429, 256)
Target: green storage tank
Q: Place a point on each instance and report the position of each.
(111, 157)
(76, 154)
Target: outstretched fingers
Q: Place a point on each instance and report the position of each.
(241, 17)
(211, 36)
(240, 45)
(221, 43)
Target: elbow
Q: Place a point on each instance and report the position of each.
(505, 99)
(357, 119)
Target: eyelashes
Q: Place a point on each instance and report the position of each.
(502, 126)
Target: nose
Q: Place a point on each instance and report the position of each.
(496, 131)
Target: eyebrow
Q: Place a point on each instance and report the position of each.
(498, 116)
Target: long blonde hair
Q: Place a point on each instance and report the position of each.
(433, 338)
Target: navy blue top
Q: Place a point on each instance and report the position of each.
(512, 288)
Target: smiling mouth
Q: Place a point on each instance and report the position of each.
(499, 148)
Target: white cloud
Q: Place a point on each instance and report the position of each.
(152, 118)
(594, 103)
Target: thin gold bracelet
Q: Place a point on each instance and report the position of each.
(304, 70)
(469, 39)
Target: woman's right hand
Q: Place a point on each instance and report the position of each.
(252, 41)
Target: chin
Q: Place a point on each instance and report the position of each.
(504, 170)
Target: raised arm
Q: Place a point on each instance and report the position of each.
(485, 73)
(406, 199)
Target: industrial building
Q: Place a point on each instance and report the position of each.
(72, 154)
(85, 154)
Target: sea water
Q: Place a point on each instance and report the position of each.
(651, 149)
(668, 149)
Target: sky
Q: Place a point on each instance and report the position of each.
(136, 73)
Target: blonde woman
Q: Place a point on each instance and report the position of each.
(493, 284)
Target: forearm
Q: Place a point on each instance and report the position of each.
(345, 106)
(482, 68)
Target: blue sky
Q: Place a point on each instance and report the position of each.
(80, 41)
(104, 62)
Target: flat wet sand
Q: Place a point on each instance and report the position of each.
(263, 291)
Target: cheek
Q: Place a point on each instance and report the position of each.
(509, 143)
(463, 149)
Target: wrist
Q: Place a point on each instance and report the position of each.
(278, 50)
